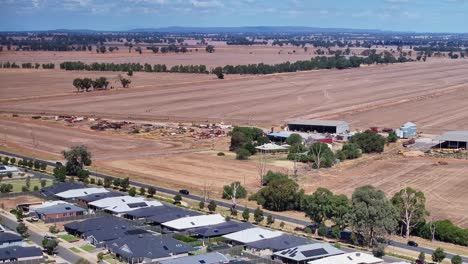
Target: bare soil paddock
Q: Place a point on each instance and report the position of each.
(224, 55)
(50, 138)
(26, 83)
(432, 94)
(443, 185)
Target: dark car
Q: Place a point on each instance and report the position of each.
(184, 192)
(412, 243)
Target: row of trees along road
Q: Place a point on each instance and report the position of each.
(369, 213)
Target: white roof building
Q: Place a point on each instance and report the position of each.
(270, 147)
(252, 235)
(195, 221)
(302, 254)
(33, 208)
(349, 258)
(4, 170)
(121, 204)
(80, 192)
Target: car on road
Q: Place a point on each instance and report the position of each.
(412, 243)
(184, 192)
(34, 219)
(47, 236)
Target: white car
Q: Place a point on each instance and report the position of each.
(34, 219)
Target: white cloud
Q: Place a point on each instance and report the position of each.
(206, 3)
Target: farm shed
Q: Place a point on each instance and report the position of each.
(320, 126)
(453, 139)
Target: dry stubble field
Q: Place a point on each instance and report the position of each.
(431, 94)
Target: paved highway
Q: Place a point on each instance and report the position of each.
(238, 207)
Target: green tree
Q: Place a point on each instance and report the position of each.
(49, 245)
(132, 191)
(270, 220)
(242, 154)
(151, 191)
(22, 229)
(142, 191)
(238, 139)
(279, 195)
(177, 199)
(369, 141)
(37, 164)
(411, 208)
(271, 176)
(78, 84)
(28, 182)
(318, 205)
(322, 155)
(13, 160)
(60, 173)
(100, 183)
(201, 205)
(438, 255)
(218, 71)
(322, 230)
(124, 183)
(77, 157)
(43, 166)
(392, 137)
(372, 215)
(258, 215)
(294, 139)
(116, 183)
(210, 49)
(378, 251)
(234, 191)
(456, 260)
(54, 229)
(351, 151)
(130, 73)
(246, 214)
(212, 206)
(107, 182)
(422, 257)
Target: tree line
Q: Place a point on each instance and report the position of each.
(317, 63)
(101, 83)
(133, 67)
(26, 65)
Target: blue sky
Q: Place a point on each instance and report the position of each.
(401, 15)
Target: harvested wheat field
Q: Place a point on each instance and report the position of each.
(31, 83)
(443, 185)
(378, 95)
(224, 55)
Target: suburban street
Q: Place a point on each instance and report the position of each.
(238, 207)
(35, 237)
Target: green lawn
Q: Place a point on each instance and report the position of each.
(74, 249)
(69, 238)
(88, 247)
(18, 184)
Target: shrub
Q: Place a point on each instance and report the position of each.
(212, 206)
(177, 199)
(201, 205)
(221, 154)
(378, 251)
(242, 154)
(322, 230)
(271, 176)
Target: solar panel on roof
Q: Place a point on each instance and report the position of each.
(314, 252)
(135, 205)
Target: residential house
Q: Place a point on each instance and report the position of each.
(194, 222)
(19, 254)
(305, 253)
(8, 239)
(349, 258)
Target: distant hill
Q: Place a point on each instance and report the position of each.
(257, 29)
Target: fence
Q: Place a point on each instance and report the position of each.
(16, 194)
